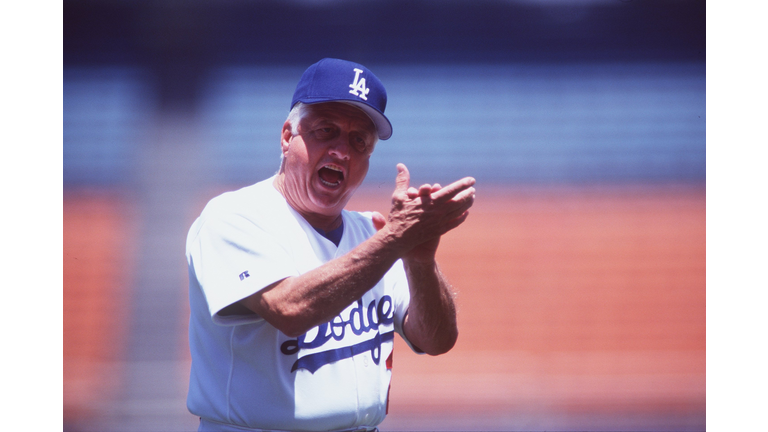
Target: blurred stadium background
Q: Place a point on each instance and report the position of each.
(581, 272)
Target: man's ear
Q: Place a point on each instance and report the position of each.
(285, 137)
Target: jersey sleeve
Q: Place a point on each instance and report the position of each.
(233, 258)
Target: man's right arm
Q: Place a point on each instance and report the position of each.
(296, 304)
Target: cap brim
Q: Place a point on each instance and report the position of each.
(383, 126)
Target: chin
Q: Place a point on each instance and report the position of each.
(329, 207)
(331, 203)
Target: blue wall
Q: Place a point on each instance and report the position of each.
(501, 123)
(510, 92)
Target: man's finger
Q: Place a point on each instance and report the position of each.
(452, 189)
(424, 191)
(403, 179)
(456, 221)
(461, 206)
(378, 220)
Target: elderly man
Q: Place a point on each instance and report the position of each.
(294, 300)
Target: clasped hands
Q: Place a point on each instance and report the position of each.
(419, 217)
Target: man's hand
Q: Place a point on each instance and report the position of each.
(426, 251)
(420, 216)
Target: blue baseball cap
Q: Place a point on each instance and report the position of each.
(334, 80)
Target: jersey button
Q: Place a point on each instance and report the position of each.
(365, 360)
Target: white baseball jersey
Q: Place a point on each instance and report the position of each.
(247, 373)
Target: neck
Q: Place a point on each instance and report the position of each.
(325, 223)
(317, 220)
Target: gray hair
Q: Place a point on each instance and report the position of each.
(294, 117)
(298, 112)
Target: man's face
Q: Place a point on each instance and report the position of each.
(326, 162)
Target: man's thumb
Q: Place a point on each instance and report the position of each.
(403, 179)
(378, 220)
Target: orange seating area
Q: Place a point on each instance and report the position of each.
(587, 300)
(98, 251)
(571, 301)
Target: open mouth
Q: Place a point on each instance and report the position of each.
(331, 175)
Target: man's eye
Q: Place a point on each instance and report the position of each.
(359, 143)
(324, 132)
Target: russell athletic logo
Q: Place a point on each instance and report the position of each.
(358, 86)
(361, 320)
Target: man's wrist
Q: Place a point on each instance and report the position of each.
(391, 240)
(419, 264)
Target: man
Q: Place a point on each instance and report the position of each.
(294, 300)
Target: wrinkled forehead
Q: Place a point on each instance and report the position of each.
(341, 112)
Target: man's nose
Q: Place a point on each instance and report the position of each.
(340, 147)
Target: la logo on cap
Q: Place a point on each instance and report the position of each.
(358, 86)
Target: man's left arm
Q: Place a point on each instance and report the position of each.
(430, 323)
